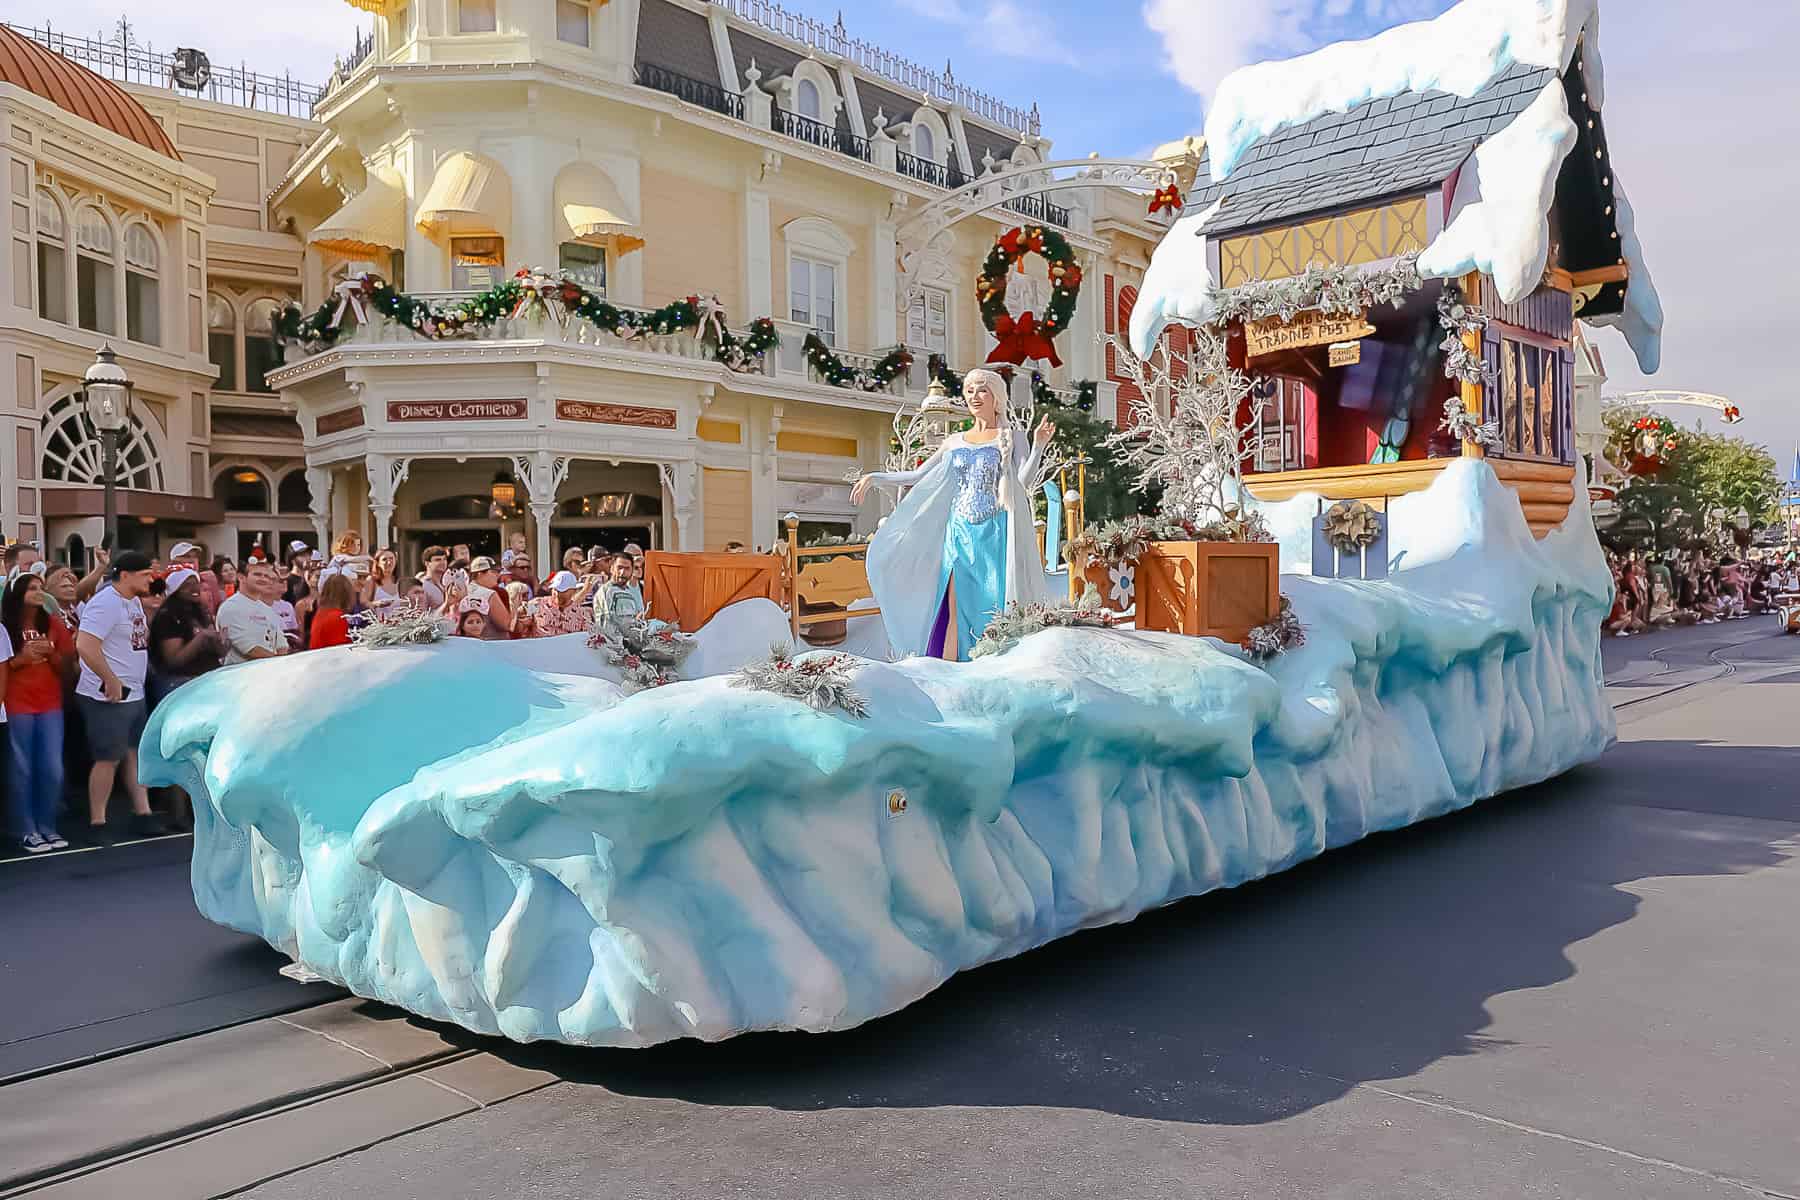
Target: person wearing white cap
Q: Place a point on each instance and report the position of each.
(562, 610)
(184, 642)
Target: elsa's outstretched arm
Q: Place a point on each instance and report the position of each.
(897, 479)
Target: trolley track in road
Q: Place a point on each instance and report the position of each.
(1722, 668)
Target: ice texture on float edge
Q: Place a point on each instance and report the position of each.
(491, 834)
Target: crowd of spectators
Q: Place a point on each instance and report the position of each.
(84, 658)
(1695, 586)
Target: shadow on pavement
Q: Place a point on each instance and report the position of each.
(1256, 1004)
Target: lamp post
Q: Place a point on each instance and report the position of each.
(106, 392)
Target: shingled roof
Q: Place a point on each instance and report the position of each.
(1376, 151)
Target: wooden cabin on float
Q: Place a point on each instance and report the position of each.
(1354, 406)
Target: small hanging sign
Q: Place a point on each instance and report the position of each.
(1309, 328)
(1346, 354)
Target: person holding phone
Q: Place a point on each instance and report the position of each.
(34, 713)
(114, 648)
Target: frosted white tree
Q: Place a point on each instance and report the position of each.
(1185, 433)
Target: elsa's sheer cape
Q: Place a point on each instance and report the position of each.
(907, 554)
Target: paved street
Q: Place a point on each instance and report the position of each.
(1587, 989)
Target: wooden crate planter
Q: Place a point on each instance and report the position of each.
(1208, 589)
(688, 590)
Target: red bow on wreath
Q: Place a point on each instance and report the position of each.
(1021, 340)
(1165, 199)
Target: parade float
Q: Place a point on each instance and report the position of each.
(653, 834)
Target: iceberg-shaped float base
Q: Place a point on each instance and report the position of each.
(495, 835)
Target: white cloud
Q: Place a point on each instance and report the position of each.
(1205, 40)
(303, 39)
(1004, 27)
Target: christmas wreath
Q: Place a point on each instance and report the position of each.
(1653, 443)
(1028, 337)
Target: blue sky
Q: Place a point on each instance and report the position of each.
(1701, 116)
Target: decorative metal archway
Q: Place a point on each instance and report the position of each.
(1000, 189)
(1728, 412)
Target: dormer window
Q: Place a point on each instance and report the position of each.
(476, 16)
(924, 145)
(806, 99)
(572, 22)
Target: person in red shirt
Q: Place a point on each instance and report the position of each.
(331, 623)
(34, 713)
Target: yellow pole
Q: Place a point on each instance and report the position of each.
(1472, 392)
(793, 566)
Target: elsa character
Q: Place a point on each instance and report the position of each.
(962, 545)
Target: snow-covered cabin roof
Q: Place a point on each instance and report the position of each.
(1390, 147)
(1500, 94)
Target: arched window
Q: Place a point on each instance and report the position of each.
(221, 341)
(73, 452)
(924, 145)
(52, 259)
(243, 488)
(143, 305)
(261, 354)
(96, 273)
(293, 494)
(806, 99)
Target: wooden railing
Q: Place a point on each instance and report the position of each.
(825, 575)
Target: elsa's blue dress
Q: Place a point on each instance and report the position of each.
(975, 551)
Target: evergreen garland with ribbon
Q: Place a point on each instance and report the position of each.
(1028, 337)
(475, 315)
(1086, 392)
(838, 373)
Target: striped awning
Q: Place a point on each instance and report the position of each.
(594, 210)
(469, 194)
(373, 222)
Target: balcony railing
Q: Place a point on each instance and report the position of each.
(835, 39)
(134, 63)
(944, 175)
(817, 133)
(1039, 209)
(694, 91)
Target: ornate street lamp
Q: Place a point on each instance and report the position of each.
(106, 393)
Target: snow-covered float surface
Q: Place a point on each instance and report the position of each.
(493, 834)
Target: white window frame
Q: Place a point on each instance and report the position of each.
(63, 240)
(818, 240)
(110, 323)
(463, 7)
(924, 346)
(818, 101)
(236, 382)
(930, 119)
(814, 72)
(587, 27)
(151, 270)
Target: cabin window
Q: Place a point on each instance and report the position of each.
(1281, 425)
(1530, 411)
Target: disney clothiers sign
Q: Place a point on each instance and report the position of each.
(456, 410)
